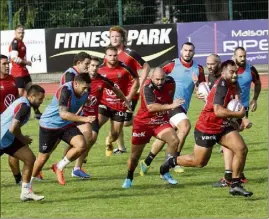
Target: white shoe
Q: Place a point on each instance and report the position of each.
(29, 195)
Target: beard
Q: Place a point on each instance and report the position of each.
(240, 64)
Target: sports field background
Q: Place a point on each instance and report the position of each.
(150, 197)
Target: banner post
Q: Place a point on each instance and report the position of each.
(10, 17)
(231, 9)
(120, 12)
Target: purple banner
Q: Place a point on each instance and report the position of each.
(223, 37)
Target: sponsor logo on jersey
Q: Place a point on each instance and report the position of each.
(9, 99)
(139, 135)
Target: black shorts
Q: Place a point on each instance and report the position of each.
(49, 137)
(11, 149)
(95, 126)
(209, 140)
(114, 115)
(21, 82)
(176, 111)
(129, 115)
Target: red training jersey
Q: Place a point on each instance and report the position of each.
(221, 93)
(133, 60)
(120, 75)
(8, 92)
(151, 94)
(98, 84)
(18, 70)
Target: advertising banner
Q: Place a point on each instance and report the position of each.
(34, 41)
(155, 43)
(224, 36)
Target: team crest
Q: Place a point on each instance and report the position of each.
(1, 87)
(119, 75)
(99, 88)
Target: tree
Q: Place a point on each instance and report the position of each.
(25, 14)
(217, 10)
(4, 15)
(139, 12)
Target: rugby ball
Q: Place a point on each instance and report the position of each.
(234, 105)
(203, 88)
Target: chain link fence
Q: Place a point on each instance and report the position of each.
(81, 13)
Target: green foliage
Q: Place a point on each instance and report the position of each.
(25, 14)
(4, 15)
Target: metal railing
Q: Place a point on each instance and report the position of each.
(81, 13)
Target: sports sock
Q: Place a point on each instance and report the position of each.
(17, 178)
(235, 182)
(76, 168)
(243, 176)
(25, 186)
(63, 163)
(130, 174)
(228, 175)
(149, 158)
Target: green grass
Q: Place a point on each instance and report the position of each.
(150, 197)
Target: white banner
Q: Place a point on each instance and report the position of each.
(35, 43)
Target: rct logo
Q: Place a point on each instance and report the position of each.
(139, 135)
(212, 137)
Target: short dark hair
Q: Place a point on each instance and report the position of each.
(189, 44)
(19, 26)
(226, 63)
(94, 58)
(111, 48)
(83, 77)
(3, 56)
(239, 48)
(34, 89)
(80, 57)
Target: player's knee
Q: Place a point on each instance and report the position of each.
(115, 135)
(42, 158)
(81, 147)
(186, 128)
(245, 151)
(92, 142)
(30, 161)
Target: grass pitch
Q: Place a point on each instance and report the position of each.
(150, 197)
